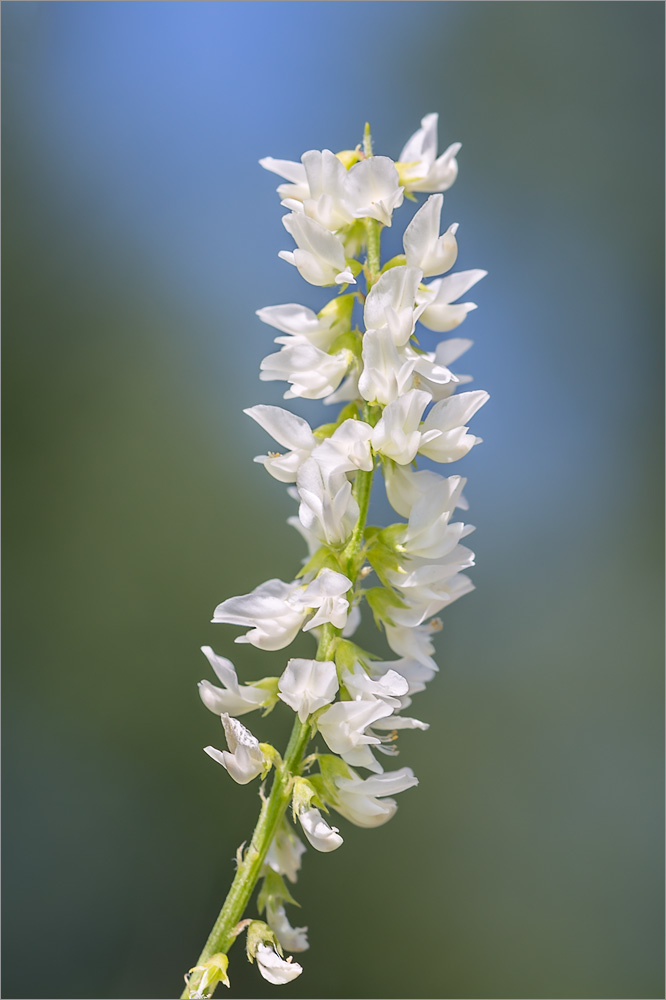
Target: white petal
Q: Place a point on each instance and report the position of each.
(323, 837)
(286, 428)
(274, 969)
(308, 685)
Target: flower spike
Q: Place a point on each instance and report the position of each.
(404, 403)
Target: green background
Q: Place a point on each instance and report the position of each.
(139, 238)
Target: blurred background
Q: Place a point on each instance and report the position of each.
(140, 236)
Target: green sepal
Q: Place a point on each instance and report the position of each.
(383, 560)
(348, 157)
(381, 601)
(348, 412)
(258, 933)
(341, 308)
(398, 261)
(323, 558)
(212, 972)
(271, 758)
(269, 684)
(374, 413)
(350, 340)
(331, 767)
(348, 654)
(273, 887)
(304, 795)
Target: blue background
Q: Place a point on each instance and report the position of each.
(140, 236)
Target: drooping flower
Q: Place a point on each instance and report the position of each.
(291, 938)
(397, 434)
(373, 189)
(285, 851)
(391, 303)
(321, 836)
(344, 725)
(327, 594)
(272, 611)
(437, 312)
(424, 247)
(289, 430)
(363, 801)
(444, 435)
(307, 685)
(320, 254)
(419, 167)
(233, 698)
(313, 374)
(244, 759)
(328, 506)
(274, 968)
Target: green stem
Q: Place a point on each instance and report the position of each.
(372, 262)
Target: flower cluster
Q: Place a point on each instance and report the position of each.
(401, 402)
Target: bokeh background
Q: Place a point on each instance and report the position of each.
(140, 236)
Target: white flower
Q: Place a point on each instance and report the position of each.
(327, 181)
(416, 674)
(302, 325)
(391, 303)
(275, 969)
(444, 437)
(307, 685)
(343, 725)
(347, 449)
(424, 247)
(362, 801)
(389, 688)
(414, 643)
(428, 532)
(244, 760)
(419, 167)
(439, 315)
(328, 507)
(405, 487)
(291, 938)
(295, 172)
(347, 391)
(326, 593)
(289, 430)
(320, 254)
(373, 189)
(386, 373)
(397, 434)
(432, 587)
(272, 611)
(232, 698)
(432, 372)
(284, 854)
(323, 837)
(313, 373)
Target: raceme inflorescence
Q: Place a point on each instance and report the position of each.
(401, 403)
